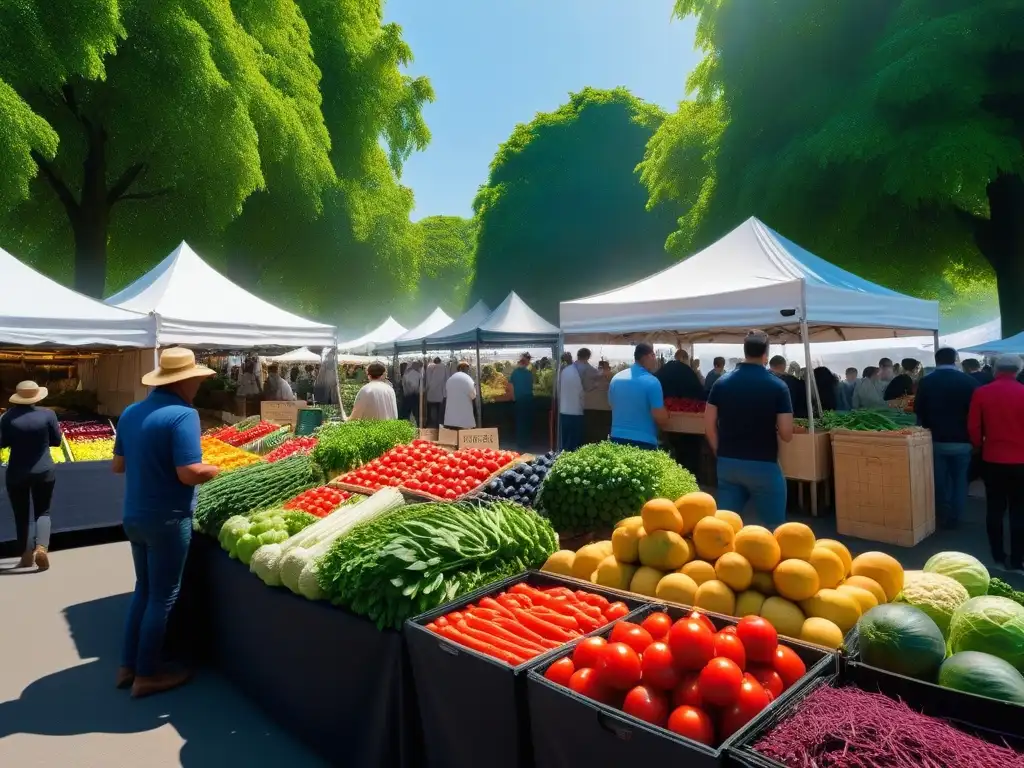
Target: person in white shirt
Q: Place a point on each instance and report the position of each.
(460, 393)
(435, 379)
(411, 391)
(248, 383)
(375, 399)
(277, 388)
(570, 407)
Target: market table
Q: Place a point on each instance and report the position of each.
(87, 495)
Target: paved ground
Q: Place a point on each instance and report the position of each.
(59, 647)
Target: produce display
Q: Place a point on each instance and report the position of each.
(685, 405)
(1000, 588)
(685, 676)
(868, 420)
(318, 502)
(93, 449)
(692, 553)
(521, 483)
(242, 433)
(291, 447)
(57, 454)
(425, 555)
(77, 428)
(963, 568)
(851, 728)
(242, 535)
(524, 622)
(343, 446)
(252, 488)
(605, 482)
(225, 456)
(425, 467)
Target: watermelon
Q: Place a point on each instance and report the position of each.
(902, 639)
(984, 675)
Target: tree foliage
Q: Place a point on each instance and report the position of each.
(886, 135)
(446, 264)
(563, 212)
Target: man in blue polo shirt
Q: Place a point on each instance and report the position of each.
(748, 411)
(638, 405)
(158, 449)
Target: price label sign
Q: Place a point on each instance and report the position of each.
(279, 411)
(478, 438)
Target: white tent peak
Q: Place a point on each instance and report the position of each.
(434, 322)
(384, 333)
(516, 316)
(467, 322)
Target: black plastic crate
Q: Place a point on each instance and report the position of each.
(472, 705)
(1003, 722)
(571, 730)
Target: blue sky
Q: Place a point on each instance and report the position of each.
(496, 63)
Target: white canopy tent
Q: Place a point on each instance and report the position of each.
(301, 355)
(385, 333)
(196, 306)
(410, 340)
(38, 311)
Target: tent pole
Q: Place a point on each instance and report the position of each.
(556, 411)
(479, 389)
(423, 375)
(809, 388)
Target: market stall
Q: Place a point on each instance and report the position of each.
(752, 277)
(1013, 345)
(383, 334)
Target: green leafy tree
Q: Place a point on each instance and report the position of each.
(879, 133)
(563, 212)
(446, 263)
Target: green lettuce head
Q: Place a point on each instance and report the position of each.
(963, 568)
(992, 625)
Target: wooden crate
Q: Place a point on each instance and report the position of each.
(885, 488)
(797, 457)
(688, 423)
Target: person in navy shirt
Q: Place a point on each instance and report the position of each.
(158, 449)
(749, 410)
(638, 404)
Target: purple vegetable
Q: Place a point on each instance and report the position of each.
(851, 728)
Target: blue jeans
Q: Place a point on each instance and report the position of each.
(740, 481)
(572, 431)
(952, 466)
(524, 424)
(159, 549)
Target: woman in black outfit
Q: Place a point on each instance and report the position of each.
(30, 432)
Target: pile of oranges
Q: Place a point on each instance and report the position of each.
(225, 456)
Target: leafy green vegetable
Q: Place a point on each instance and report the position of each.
(606, 482)
(992, 625)
(238, 534)
(935, 594)
(344, 446)
(425, 555)
(867, 420)
(962, 567)
(1000, 588)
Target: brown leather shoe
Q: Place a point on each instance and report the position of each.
(158, 683)
(125, 677)
(42, 559)
(27, 560)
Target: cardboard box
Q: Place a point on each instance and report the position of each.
(688, 423)
(468, 438)
(280, 411)
(885, 489)
(807, 458)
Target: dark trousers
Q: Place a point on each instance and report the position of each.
(572, 431)
(159, 549)
(28, 492)
(435, 412)
(411, 406)
(1004, 492)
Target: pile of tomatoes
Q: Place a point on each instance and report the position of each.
(319, 501)
(426, 467)
(684, 676)
(300, 445)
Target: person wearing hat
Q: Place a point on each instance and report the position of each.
(521, 385)
(30, 432)
(637, 402)
(158, 449)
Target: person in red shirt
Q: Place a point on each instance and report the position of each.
(996, 426)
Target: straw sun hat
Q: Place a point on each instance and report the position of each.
(176, 364)
(28, 393)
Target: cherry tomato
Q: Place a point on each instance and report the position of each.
(730, 647)
(720, 682)
(703, 620)
(658, 667)
(729, 629)
(759, 638)
(620, 667)
(561, 671)
(616, 611)
(731, 720)
(586, 683)
(658, 624)
(693, 723)
(753, 696)
(692, 644)
(633, 635)
(647, 704)
(789, 666)
(687, 692)
(589, 653)
(769, 678)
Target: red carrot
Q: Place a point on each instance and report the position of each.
(483, 613)
(513, 626)
(599, 602)
(455, 636)
(497, 631)
(542, 627)
(494, 605)
(497, 642)
(552, 616)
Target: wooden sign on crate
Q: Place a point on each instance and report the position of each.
(280, 411)
(885, 488)
(469, 438)
(685, 422)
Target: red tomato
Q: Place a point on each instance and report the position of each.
(759, 638)
(620, 666)
(658, 668)
(647, 704)
(703, 620)
(769, 678)
(658, 624)
(753, 696)
(586, 683)
(789, 666)
(729, 629)
(588, 653)
(616, 611)
(730, 647)
(693, 723)
(731, 720)
(692, 644)
(687, 693)
(633, 635)
(720, 682)
(561, 671)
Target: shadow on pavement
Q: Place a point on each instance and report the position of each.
(217, 724)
